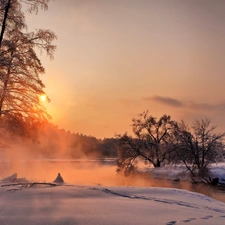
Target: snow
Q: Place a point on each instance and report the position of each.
(108, 205)
(179, 172)
(93, 204)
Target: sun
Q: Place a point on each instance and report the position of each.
(43, 98)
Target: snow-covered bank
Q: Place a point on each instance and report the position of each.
(179, 172)
(108, 205)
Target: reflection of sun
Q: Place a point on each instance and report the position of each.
(43, 98)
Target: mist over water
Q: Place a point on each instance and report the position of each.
(93, 172)
(74, 172)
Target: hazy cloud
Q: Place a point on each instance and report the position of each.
(185, 104)
(204, 106)
(201, 106)
(165, 100)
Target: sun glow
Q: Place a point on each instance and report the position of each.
(43, 98)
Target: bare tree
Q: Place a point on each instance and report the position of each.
(129, 149)
(11, 15)
(20, 84)
(152, 141)
(199, 146)
(20, 67)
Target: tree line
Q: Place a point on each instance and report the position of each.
(165, 141)
(50, 142)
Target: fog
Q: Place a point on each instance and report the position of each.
(78, 172)
(29, 163)
(73, 172)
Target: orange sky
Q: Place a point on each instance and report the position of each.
(117, 58)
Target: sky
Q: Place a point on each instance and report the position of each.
(118, 58)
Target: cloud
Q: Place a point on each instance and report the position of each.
(205, 106)
(192, 105)
(201, 106)
(164, 100)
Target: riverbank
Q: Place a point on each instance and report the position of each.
(180, 173)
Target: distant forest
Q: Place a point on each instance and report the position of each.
(47, 140)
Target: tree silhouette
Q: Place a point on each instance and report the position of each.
(20, 67)
(152, 141)
(199, 146)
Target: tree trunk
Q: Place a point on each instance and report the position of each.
(2, 96)
(157, 164)
(4, 21)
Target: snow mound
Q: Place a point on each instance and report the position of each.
(13, 179)
(59, 179)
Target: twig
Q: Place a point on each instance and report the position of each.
(29, 184)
